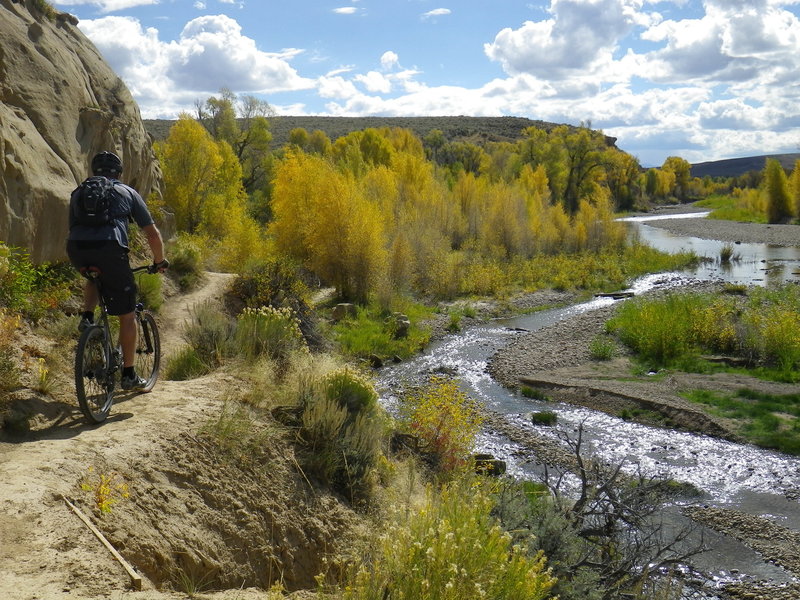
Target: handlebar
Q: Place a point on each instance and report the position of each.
(154, 268)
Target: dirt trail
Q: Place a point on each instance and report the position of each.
(45, 550)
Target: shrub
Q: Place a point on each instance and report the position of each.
(446, 422)
(269, 283)
(601, 348)
(186, 260)
(35, 291)
(185, 364)
(342, 430)
(210, 334)
(350, 390)
(267, 331)
(545, 417)
(149, 285)
(450, 549)
(9, 376)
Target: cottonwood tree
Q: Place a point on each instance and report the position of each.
(682, 171)
(242, 122)
(776, 187)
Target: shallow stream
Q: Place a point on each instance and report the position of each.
(730, 475)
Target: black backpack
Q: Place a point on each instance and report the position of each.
(95, 201)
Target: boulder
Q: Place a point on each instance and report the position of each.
(60, 103)
(343, 310)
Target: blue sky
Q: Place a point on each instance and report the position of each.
(704, 80)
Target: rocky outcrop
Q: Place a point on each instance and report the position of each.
(60, 103)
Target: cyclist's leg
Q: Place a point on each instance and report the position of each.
(127, 338)
(89, 296)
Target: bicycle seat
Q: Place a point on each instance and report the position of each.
(90, 272)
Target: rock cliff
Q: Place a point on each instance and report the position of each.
(60, 103)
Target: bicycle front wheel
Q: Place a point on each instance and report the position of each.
(94, 375)
(148, 350)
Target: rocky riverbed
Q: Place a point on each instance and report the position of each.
(558, 357)
(724, 231)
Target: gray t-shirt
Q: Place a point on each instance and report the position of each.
(130, 206)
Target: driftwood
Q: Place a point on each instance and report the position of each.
(136, 580)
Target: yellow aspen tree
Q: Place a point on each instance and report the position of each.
(189, 160)
(794, 188)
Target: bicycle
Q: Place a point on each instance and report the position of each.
(98, 360)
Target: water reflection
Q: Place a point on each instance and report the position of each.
(753, 264)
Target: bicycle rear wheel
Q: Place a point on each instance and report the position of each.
(148, 350)
(94, 376)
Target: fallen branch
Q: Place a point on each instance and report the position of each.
(136, 580)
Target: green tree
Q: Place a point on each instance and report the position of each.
(584, 161)
(434, 142)
(242, 122)
(682, 171)
(779, 207)
(299, 137)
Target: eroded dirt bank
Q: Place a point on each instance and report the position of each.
(184, 514)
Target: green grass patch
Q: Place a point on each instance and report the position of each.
(534, 394)
(769, 421)
(746, 207)
(602, 348)
(545, 417)
(368, 333)
(761, 326)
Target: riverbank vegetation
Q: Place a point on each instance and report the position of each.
(760, 326)
(758, 329)
(775, 198)
(769, 421)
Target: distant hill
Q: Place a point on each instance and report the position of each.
(733, 167)
(468, 129)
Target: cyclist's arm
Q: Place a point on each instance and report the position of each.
(155, 242)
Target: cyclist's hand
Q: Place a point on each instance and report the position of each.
(159, 267)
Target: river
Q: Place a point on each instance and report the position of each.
(730, 475)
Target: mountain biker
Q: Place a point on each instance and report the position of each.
(106, 247)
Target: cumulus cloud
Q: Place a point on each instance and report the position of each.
(389, 60)
(345, 10)
(580, 36)
(209, 54)
(375, 82)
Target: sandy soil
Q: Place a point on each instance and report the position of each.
(188, 509)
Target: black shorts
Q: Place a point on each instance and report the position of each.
(116, 277)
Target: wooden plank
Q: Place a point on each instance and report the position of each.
(136, 580)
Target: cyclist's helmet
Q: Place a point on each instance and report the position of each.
(106, 163)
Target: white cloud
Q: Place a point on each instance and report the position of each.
(436, 12)
(336, 87)
(375, 82)
(345, 10)
(389, 60)
(209, 54)
(107, 6)
(200, 5)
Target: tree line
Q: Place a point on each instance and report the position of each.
(381, 211)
